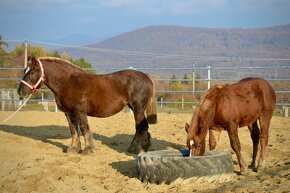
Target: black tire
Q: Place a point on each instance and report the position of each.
(166, 166)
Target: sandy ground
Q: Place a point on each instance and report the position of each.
(32, 157)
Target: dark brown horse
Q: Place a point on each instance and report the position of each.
(230, 107)
(79, 94)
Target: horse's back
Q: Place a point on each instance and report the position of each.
(129, 84)
(133, 82)
(244, 101)
(131, 75)
(121, 82)
(262, 89)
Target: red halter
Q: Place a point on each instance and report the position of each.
(41, 79)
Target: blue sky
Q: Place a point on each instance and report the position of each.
(50, 20)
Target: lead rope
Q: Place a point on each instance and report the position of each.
(17, 109)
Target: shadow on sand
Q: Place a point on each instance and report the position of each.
(42, 133)
(119, 143)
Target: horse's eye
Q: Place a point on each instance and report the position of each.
(198, 146)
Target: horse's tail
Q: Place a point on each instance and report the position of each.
(151, 108)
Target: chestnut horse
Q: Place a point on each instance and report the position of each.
(229, 107)
(80, 94)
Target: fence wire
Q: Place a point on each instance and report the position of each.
(178, 88)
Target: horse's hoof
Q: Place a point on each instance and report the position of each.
(73, 150)
(260, 169)
(88, 150)
(134, 149)
(244, 172)
(252, 167)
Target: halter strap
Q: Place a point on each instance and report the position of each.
(41, 79)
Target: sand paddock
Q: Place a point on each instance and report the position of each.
(32, 157)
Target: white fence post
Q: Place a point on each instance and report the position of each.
(182, 103)
(15, 99)
(9, 102)
(55, 108)
(286, 111)
(3, 100)
(193, 79)
(25, 54)
(208, 77)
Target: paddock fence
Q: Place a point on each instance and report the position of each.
(176, 88)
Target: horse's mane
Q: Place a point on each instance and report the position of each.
(202, 108)
(59, 60)
(204, 104)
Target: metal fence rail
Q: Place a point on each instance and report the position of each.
(207, 75)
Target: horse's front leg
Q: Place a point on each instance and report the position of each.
(75, 146)
(236, 146)
(214, 136)
(84, 126)
(141, 141)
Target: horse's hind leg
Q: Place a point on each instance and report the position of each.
(264, 125)
(255, 132)
(75, 146)
(141, 141)
(84, 126)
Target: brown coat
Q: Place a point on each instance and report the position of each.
(229, 107)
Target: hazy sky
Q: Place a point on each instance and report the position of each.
(54, 19)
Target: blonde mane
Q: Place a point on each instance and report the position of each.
(58, 60)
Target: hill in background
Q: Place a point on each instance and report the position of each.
(176, 41)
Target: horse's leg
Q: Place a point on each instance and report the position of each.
(264, 125)
(84, 126)
(141, 141)
(235, 144)
(255, 132)
(214, 136)
(75, 146)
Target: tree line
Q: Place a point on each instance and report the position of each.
(15, 59)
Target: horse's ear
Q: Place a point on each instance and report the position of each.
(186, 127)
(32, 60)
(29, 58)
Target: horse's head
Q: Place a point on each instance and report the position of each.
(33, 77)
(197, 129)
(195, 142)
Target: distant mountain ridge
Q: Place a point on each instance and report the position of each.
(78, 39)
(269, 42)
